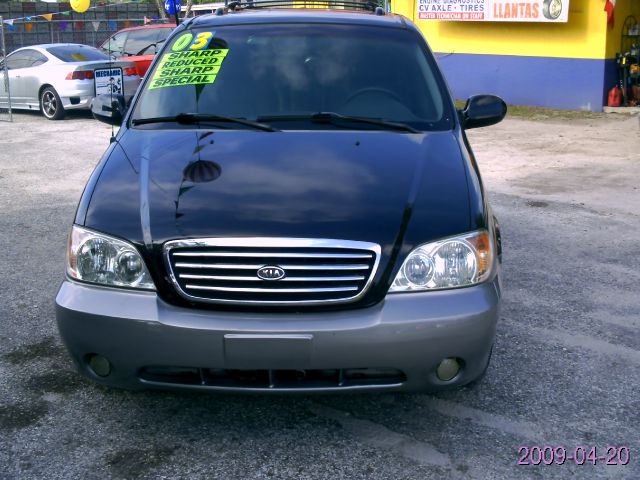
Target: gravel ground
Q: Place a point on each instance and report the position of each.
(564, 371)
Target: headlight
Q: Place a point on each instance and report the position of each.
(453, 262)
(98, 258)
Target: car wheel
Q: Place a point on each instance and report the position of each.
(50, 104)
(552, 9)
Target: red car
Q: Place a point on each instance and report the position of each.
(138, 44)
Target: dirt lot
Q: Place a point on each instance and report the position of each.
(565, 371)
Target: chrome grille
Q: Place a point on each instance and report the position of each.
(316, 271)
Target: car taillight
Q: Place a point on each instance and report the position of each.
(130, 72)
(80, 75)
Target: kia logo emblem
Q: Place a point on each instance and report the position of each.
(270, 272)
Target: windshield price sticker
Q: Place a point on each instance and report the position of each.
(187, 42)
(183, 71)
(188, 68)
(189, 63)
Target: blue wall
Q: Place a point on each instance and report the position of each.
(569, 83)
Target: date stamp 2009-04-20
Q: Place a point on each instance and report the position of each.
(580, 455)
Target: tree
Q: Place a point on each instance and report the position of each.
(188, 8)
(161, 10)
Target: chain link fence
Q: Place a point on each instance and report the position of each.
(5, 94)
(36, 23)
(88, 32)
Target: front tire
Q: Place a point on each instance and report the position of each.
(50, 104)
(552, 9)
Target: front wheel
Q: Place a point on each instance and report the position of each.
(50, 104)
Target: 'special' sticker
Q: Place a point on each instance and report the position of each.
(189, 63)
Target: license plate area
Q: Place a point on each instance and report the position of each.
(247, 351)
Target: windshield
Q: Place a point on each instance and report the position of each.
(77, 53)
(286, 73)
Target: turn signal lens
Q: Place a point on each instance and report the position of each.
(130, 72)
(452, 262)
(484, 253)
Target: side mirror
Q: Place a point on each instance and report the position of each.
(109, 108)
(482, 110)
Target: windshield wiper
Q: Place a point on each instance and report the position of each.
(154, 44)
(330, 117)
(191, 118)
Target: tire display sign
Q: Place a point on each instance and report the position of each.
(108, 80)
(494, 10)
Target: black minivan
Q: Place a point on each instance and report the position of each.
(290, 205)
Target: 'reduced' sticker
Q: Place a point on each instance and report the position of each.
(189, 62)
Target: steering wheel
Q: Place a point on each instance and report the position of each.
(374, 90)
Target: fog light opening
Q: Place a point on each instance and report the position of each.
(99, 365)
(448, 369)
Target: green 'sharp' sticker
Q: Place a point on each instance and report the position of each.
(188, 67)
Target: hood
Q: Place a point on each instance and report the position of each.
(160, 185)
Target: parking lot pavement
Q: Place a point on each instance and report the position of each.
(565, 371)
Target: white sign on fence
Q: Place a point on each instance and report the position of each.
(494, 10)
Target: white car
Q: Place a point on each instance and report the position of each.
(56, 77)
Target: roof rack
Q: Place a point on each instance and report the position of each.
(369, 6)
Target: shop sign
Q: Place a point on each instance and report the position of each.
(494, 10)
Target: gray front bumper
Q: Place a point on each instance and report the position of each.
(411, 332)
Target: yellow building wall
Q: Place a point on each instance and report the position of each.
(583, 36)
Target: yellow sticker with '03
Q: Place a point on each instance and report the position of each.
(187, 41)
